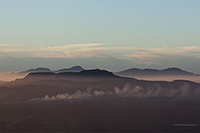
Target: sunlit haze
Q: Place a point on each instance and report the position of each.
(11, 76)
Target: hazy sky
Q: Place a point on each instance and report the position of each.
(109, 34)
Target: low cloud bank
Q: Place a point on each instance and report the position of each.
(128, 91)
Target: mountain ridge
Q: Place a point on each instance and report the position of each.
(39, 69)
(43, 69)
(154, 72)
(71, 69)
(85, 75)
(91, 72)
(146, 71)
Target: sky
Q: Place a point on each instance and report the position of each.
(106, 34)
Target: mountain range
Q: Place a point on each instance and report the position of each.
(128, 72)
(103, 83)
(41, 69)
(154, 72)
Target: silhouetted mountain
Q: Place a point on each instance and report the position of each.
(97, 72)
(40, 69)
(85, 75)
(154, 72)
(72, 69)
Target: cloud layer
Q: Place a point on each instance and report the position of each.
(184, 57)
(97, 50)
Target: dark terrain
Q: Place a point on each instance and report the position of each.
(99, 116)
(111, 104)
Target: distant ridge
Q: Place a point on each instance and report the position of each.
(154, 72)
(72, 69)
(40, 69)
(85, 73)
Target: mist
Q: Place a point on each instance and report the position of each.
(128, 91)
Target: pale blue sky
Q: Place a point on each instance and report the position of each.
(140, 33)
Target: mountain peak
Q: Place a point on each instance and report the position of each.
(96, 72)
(172, 69)
(39, 69)
(71, 69)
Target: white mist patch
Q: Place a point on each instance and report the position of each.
(77, 95)
(127, 91)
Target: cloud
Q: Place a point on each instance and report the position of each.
(151, 54)
(69, 47)
(10, 45)
(138, 55)
(7, 50)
